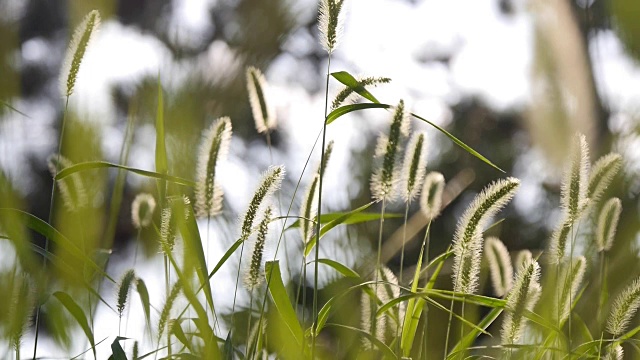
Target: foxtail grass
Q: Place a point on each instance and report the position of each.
(347, 94)
(576, 180)
(263, 113)
(142, 209)
(123, 294)
(431, 197)
(522, 297)
(78, 46)
(330, 23)
(572, 279)
(623, 309)
(607, 224)
(499, 265)
(213, 150)
(602, 173)
(72, 188)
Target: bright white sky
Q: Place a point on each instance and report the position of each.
(493, 58)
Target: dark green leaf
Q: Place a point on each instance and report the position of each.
(282, 302)
(117, 351)
(386, 351)
(345, 109)
(347, 79)
(342, 269)
(103, 164)
(78, 314)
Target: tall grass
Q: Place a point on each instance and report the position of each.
(370, 312)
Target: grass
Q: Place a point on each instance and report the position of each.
(394, 317)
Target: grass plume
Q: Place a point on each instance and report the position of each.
(142, 209)
(263, 113)
(213, 150)
(270, 182)
(499, 265)
(413, 167)
(347, 94)
(523, 296)
(573, 278)
(575, 183)
(72, 188)
(431, 197)
(80, 41)
(330, 23)
(254, 275)
(602, 173)
(623, 309)
(608, 224)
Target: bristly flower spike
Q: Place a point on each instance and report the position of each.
(142, 209)
(309, 209)
(623, 309)
(614, 353)
(467, 241)
(270, 182)
(330, 23)
(608, 224)
(72, 188)
(263, 112)
(348, 95)
(254, 275)
(576, 179)
(431, 197)
(602, 173)
(386, 290)
(213, 150)
(384, 179)
(559, 241)
(123, 290)
(167, 230)
(572, 280)
(499, 265)
(524, 256)
(523, 296)
(80, 41)
(413, 167)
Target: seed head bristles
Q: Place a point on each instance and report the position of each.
(167, 231)
(330, 23)
(20, 309)
(166, 309)
(142, 210)
(309, 209)
(385, 290)
(123, 290)
(431, 197)
(608, 224)
(523, 296)
(270, 182)
(413, 167)
(348, 95)
(213, 150)
(467, 241)
(575, 183)
(614, 353)
(384, 179)
(254, 276)
(524, 256)
(135, 351)
(263, 112)
(572, 278)
(77, 47)
(499, 265)
(623, 309)
(72, 189)
(559, 240)
(602, 173)
(322, 167)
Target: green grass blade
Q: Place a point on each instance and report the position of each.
(282, 302)
(117, 353)
(471, 336)
(384, 349)
(228, 348)
(10, 107)
(342, 269)
(345, 109)
(335, 222)
(458, 142)
(43, 228)
(161, 150)
(351, 220)
(348, 80)
(76, 311)
(143, 293)
(468, 298)
(104, 164)
(225, 257)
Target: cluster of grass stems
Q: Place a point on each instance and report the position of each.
(394, 308)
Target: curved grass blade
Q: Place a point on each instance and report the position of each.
(342, 269)
(104, 164)
(225, 257)
(342, 110)
(43, 228)
(384, 349)
(117, 352)
(333, 223)
(161, 150)
(351, 220)
(471, 336)
(76, 311)
(282, 302)
(10, 107)
(86, 351)
(143, 293)
(348, 80)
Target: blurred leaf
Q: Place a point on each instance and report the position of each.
(7, 105)
(103, 164)
(347, 79)
(228, 347)
(356, 219)
(384, 349)
(471, 336)
(342, 269)
(76, 311)
(282, 302)
(143, 293)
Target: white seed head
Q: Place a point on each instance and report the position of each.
(602, 173)
(575, 183)
(72, 188)
(270, 182)
(524, 256)
(413, 167)
(559, 240)
(263, 112)
(499, 265)
(523, 296)
(309, 209)
(431, 197)
(330, 23)
(254, 276)
(467, 241)
(80, 41)
(142, 210)
(614, 353)
(572, 278)
(623, 309)
(608, 224)
(213, 150)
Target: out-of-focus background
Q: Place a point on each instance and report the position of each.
(513, 79)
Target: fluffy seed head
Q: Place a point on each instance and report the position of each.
(431, 197)
(614, 353)
(213, 150)
(322, 167)
(167, 230)
(142, 210)
(166, 309)
(467, 241)
(308, 210)
(608, 223)
(524, 256)
(254, 277)
(22, 302)
(72, 188)
(263, 112)
(348, 95)
(80, 41)
(523, 296)
(384, 179)
(602, 173)
(413, 167)
(385, 289)
(575, 183)
(123, 290)
(330, 23)
(499, 265)
(572, 278)
(559, 240)
(623, 309)
(270, 182)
